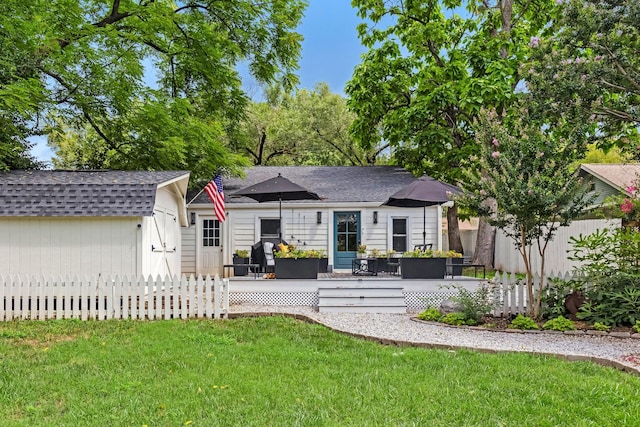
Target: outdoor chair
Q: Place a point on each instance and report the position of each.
(423, 248)
(393, 265)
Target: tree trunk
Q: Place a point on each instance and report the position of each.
(453, 230)
(486, 240)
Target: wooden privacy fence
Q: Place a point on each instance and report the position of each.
(100, 298)
(509, 293)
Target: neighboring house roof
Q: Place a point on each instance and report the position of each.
(618, 176)
(83, 193)
(331, 183)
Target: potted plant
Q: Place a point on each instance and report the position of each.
(418, 264)
(240, 256)
(362, 251)
(293, 263)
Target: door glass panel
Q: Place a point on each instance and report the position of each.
(342, 224)
(353, 223)
(342, 242)
(210, 232)
(352, 240)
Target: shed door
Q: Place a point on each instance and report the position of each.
(210, 246)
(163, 243)
(347, 238)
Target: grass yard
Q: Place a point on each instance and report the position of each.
(276, 371)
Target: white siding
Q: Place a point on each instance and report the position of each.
(300, 227)
(69, 245)
(188, 257)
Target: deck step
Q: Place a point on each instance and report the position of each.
(361, 299)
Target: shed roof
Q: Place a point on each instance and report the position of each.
(332, 183)
(81, 193)
(619, 175)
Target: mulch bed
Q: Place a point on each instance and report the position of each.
(502, 323)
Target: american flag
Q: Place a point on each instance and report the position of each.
(216, 194)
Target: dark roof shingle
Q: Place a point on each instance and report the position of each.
(80, 193)
(331, 183)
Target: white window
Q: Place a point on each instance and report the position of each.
(399, 234)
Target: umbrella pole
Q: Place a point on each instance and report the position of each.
(280, 229)
(424, 226)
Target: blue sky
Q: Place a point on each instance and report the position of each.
(331, 48)
(330, 51)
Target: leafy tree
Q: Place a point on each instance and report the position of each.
(589, 67)
(92, 62)
(19, 96)
(427, 75)
(598, 155)
(527, 170)
(301, 128)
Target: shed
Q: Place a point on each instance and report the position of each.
(92, 222)
(350, 210)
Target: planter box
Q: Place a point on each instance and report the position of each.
(323, 265)
(423, 268)
(381, 264)
(240, 271)
(301, 268)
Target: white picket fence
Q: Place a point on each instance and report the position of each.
(510, 293)
(100, 298)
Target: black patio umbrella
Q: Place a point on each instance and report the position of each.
(276, 189)
(424, 191)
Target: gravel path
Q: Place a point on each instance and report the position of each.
(402, 329)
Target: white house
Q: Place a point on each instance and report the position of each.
(349, 213)
(92, 222)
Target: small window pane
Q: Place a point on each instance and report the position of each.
(399, 243)
(269, 228)
(399, 226)
(342, 242)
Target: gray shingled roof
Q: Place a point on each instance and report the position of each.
(618, 176)
(80, 193)
(331, 183)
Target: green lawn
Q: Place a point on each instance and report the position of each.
(281, 372)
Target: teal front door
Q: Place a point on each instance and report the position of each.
(347, 238)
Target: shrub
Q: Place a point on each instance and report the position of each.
(636, 327)
(601, 327)
(456, 319)
(614, 301)
(430, 314)
(557, 292)
(474, 304)
(560, 323)
(610, 267)
(524, 323)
